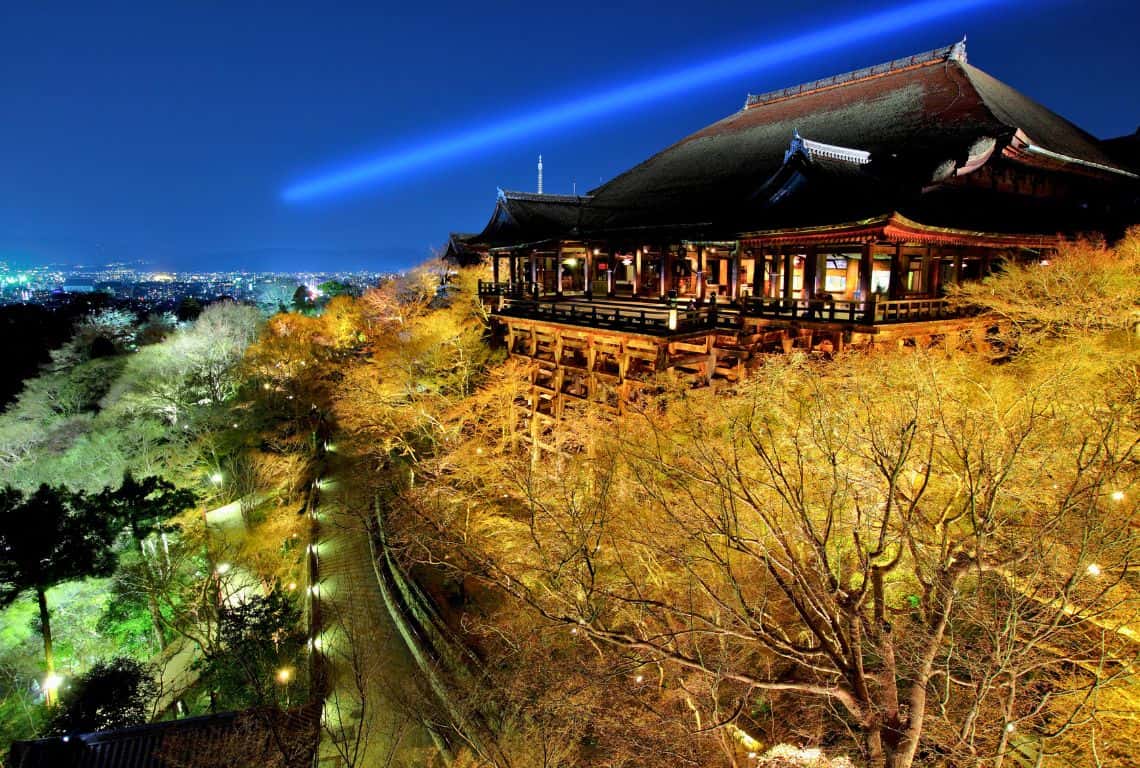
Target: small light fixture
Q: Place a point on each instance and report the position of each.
(1118, 495)
(222, 569)
(1093, 570)
(284, 675)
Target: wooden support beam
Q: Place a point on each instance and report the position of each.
(558, 272)
(610, 273)
(533, 263)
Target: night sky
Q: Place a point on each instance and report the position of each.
(167, 132)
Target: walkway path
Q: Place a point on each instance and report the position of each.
(225, 528)
(373, 712)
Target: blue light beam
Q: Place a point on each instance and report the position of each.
(624, 97)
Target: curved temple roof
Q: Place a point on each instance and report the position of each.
(907, 125)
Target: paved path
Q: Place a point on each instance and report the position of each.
(373, 713)
(225, 528)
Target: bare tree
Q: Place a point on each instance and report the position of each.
(897, 547)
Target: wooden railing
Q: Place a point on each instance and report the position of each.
(489, 288)
(635, 318)
(871, 312)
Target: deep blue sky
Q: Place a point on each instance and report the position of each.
(167, 132)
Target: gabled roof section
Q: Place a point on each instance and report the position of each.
(459, 250)
(819, 183)
(527, 218)
(1041, 129)
(817, 149)
(919, 119)
(1125, 150)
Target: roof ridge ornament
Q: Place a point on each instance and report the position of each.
(958, 51)
(813, 149)
(955, 52)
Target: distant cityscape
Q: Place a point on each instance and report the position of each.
(157, 290)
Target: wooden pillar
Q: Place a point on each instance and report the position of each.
(866, 264)
(958, 266)
(932, 273)
(700, 273)
(811, 274)
(637, 261)
(987, 262)
(588, 274)
(558, 272)
(533, 272)
(610, 271)
(789, 271)
(495, 268)
(734, 273)
(895, 290)
(664, 270)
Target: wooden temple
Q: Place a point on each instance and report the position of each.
(833, 213)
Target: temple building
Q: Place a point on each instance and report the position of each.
(836, 211)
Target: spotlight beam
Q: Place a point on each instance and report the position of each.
(628, 96)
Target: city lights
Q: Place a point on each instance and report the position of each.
(820, 40)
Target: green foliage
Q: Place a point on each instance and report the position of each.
(258, 637)
(142, 506)
(113, 694)
(47, 538)
(302, 301)
(333, 288)
(126, 622)
(51, 536)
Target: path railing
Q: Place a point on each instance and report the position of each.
(444, 659)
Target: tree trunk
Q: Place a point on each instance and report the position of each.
(152, 602)
(49, 657)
